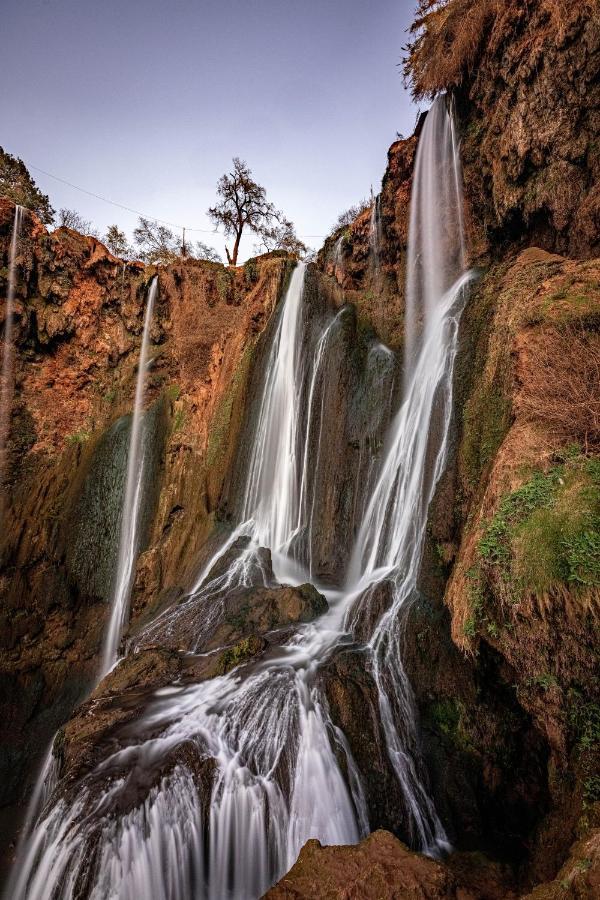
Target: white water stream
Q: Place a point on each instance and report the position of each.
(8, 350)
(129, 539)
(268, 771)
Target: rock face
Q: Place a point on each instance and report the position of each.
(382, 868)
(79, 315)
(501, 646)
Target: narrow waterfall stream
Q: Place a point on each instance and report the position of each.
(8, 352)
(134, 485)
(222, 782)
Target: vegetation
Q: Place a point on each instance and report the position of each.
(238, 654)
(347, 217)
(70, 218)
(243, 204)
(158, 245)
(564, 389)
(449, 36)
(545, 537)
(17, 185)
(283, 237)
(117, 243)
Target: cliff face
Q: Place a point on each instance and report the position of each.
(501, 648)
(79, 318)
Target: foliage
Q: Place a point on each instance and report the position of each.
(117, 243)
(546, 534)
(200, 250)
(238, 654)
(78, 437)
(243, 204)
(155, 243)
(17, 185)
(70, 218)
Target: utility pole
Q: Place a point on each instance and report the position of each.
(183, 252)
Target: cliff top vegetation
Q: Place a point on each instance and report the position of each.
(450, 36)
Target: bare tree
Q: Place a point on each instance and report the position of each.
(243, 204)
(200, 250)
(282, 236)
(117, 243)
(70, 218)
(156, 244)
(350, 214)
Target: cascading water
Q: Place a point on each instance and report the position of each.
(8, 352)
(134, 485)
(237, 772)
(47, 779)
(375, 233)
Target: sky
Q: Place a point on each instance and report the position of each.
(146, 102)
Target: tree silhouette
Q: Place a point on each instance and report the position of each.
(243, 204)
(17, 184)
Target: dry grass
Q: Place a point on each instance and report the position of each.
(450, 36)
(564, 388)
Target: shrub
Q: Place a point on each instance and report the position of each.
(449, 36)
(563, 391)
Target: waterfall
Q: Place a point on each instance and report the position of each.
(8, 350)
(436, 249)
(134, 484)
(375, 234)
(392, 535)
(272, 493)
(223, 781)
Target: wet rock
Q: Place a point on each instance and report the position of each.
(379, 868)
(354, 707)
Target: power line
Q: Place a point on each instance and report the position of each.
(136, 212)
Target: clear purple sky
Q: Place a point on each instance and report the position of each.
(145, 102)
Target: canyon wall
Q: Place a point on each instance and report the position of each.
(79, 316)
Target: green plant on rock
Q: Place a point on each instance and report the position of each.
(78, 437)
(240, 653)
(546, 534)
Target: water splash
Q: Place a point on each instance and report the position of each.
(134, 484)
(8, 350)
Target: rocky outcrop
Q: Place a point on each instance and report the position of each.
(525, 78)
(382, 868)
(370, 276)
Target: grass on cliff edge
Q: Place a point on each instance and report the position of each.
(544, 539)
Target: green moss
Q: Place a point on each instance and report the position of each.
(446, 716)
(225, 280)
(240, 653)
(78, 437)
(173, 392)
(544, 681)
(546, 534)
(584, 719)
(250, 272)
(483, 397)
